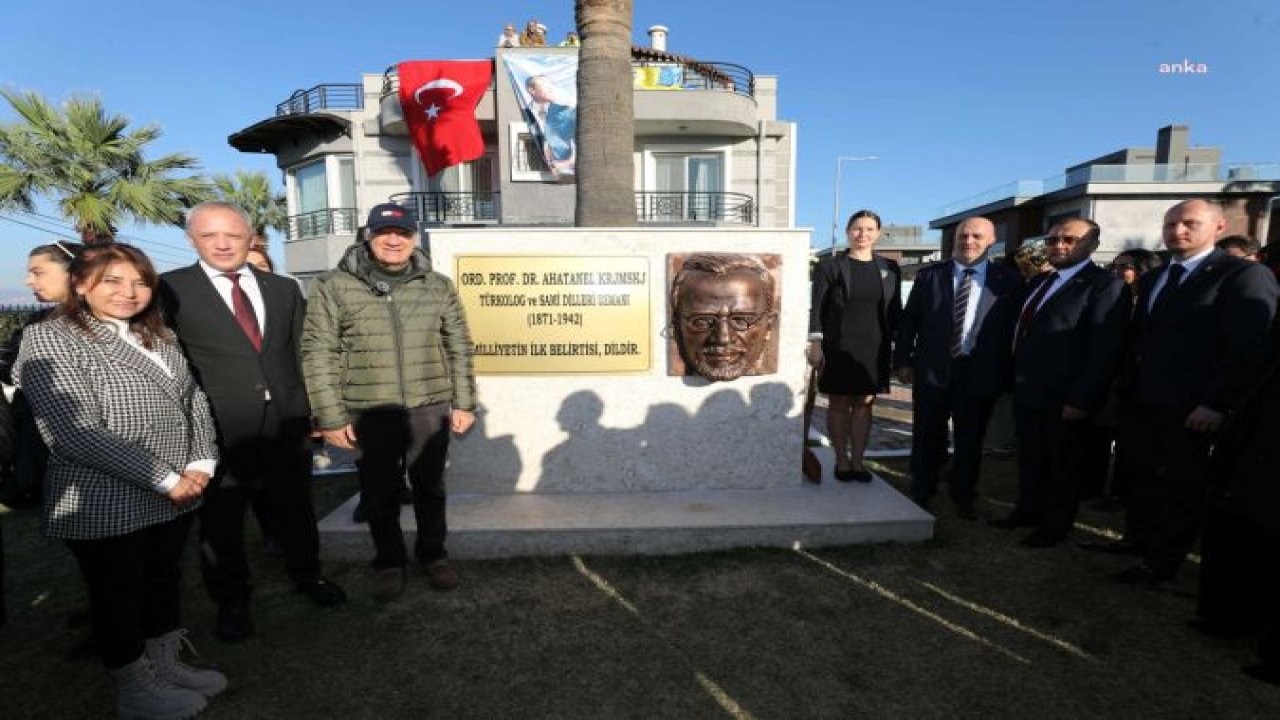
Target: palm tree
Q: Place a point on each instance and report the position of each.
(606, 119)
(251, 192)
(92, 166)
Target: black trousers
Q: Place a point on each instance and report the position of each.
(1052, 461)
(1239, 571)
(394, 442)
(133, 582)
(932, 407)
(1170, 479)
(274, 463)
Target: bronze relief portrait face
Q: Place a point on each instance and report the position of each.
(723, 315)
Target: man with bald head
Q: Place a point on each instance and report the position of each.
(1203, 334)
(953, 346)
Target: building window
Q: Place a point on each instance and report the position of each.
(322, 197)
(527, 162)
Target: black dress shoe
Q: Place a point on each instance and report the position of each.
(862, 476)
(1041, 539)
(234, 623)
(322, 592)
(1141, 576)
(359, 516)
(1118, 547)
(1011, 521)
(1216, 628)
(845, 475)
(1264, 672)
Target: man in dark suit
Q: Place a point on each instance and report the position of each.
(1203, 335)
(1240, 550)
(1067, 345)
(241, 328)
(953, 346)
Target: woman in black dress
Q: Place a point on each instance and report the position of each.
(857, 299)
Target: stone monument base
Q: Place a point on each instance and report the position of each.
(485, 525)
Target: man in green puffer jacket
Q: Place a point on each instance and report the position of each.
(387, 358)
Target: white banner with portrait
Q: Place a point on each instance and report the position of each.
(547, 86)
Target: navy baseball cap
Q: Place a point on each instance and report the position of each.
(390, 215)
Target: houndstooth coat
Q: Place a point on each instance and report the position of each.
(116, 425)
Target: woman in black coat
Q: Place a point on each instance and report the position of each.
(857, 300)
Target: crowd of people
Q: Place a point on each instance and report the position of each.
(156, 399)
(147, 401)
(533, 35)
(1152, 384)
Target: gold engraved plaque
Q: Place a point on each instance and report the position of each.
(557, 314)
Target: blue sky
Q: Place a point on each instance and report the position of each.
(955, 98)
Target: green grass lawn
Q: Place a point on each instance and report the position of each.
(967, 625)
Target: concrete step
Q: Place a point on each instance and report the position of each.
(542, 524)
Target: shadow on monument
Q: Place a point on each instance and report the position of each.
(673, 449)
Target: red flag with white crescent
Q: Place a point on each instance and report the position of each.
(439, 101)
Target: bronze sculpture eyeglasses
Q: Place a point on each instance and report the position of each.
(738, 322)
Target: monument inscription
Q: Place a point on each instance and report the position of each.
(532, 314)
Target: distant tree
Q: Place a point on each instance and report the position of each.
(251, 191)
(606, 120)
(92, 166)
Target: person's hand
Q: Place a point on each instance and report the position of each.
(343, 437)
(904, 374)
(1072, 414)
(461, 421)
(1204, 419)
(813, 353)
(190, 486)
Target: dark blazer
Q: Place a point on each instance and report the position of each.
(1071, 348)
(116, 425)
(924, 334)
(235, 376)
(831, 289)
(1207, 344)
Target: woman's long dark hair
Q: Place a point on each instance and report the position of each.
(88, 267)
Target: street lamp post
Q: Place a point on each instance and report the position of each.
(835, 210)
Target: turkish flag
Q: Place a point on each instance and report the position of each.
(439, 101)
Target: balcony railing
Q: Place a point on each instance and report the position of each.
(330, 221)
(323, 97)
(1131, 173)
(695, 207)
(443, 208)
(667, 73)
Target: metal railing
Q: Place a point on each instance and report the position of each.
(441, 208)
(693, 75)
(318, 223)
(667, 75)
(333, 96)
(1130, 173)
(695, 207)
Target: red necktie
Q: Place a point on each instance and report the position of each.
(245, 316)
(1028, 312)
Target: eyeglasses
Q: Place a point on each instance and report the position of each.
(1064, 239)
(738, 322)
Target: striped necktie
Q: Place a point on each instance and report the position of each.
(960, 311)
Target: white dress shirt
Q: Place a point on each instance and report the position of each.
(1064, 275)
(977, 284)
(1190, 264)
(248, 283)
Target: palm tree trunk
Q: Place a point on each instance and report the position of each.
(606, 118)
